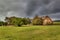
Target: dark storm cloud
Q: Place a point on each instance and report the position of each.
(25, 8)
(55, 16)
(46, 7)
(12, 8)
(33, 5)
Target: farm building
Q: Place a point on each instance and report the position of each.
(47, 20)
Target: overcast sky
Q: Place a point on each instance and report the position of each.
(30, 8)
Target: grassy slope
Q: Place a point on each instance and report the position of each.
(30, 33)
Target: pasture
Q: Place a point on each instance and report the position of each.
(50, 32)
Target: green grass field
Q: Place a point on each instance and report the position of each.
(51, 32)
(56, 23)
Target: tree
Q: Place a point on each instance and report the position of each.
(37, 20)
(18, 22)
(1, 23)
(26, 21)
(14, 21)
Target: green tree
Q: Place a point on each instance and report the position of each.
(37, 20)
(2, 23)
(14, 21)
(26, 21)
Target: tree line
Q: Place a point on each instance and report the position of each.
(16, 21)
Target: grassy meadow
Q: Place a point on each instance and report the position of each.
(47, 32)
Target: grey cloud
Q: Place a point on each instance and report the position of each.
(48, 6)
(55, 16)
(25, 8)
